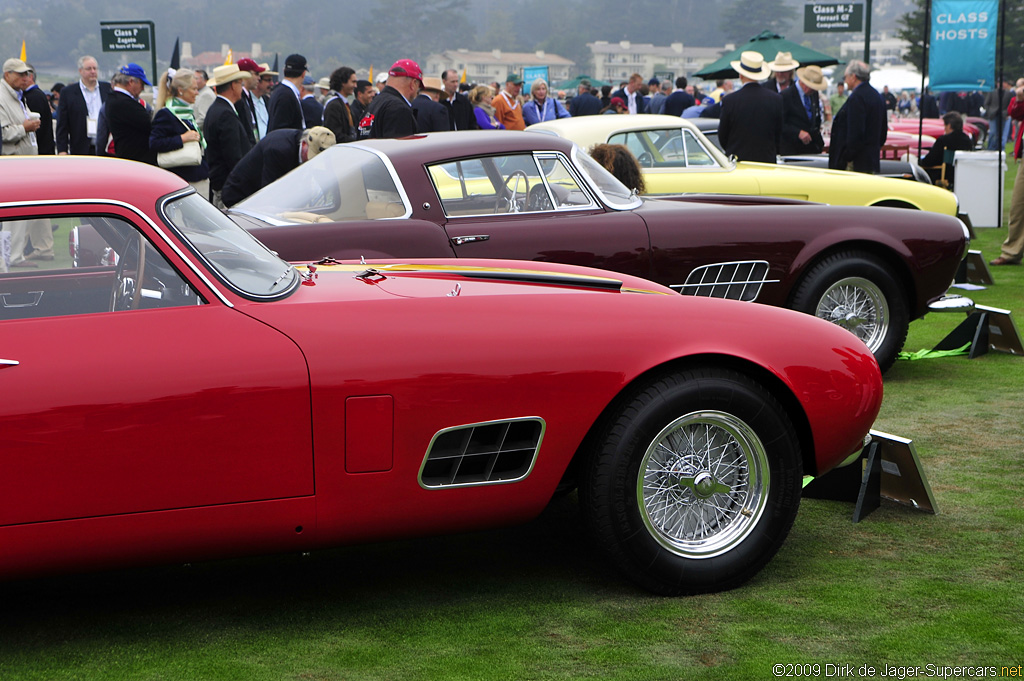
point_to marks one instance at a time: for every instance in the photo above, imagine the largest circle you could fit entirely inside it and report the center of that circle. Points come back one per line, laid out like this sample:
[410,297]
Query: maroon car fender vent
[482,453]
[738,280]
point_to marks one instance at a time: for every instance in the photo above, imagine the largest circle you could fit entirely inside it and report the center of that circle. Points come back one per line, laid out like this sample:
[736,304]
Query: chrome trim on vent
[486,453]
[737,280]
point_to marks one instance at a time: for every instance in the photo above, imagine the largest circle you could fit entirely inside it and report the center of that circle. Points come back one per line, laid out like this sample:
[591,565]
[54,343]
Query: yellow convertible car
[678,159]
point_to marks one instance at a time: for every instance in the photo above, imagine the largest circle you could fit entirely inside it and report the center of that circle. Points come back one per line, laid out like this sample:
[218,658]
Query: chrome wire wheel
[703,484]
[859,306]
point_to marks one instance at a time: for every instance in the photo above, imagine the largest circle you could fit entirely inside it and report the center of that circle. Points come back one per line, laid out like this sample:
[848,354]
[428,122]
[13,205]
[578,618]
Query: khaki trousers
[1013,247]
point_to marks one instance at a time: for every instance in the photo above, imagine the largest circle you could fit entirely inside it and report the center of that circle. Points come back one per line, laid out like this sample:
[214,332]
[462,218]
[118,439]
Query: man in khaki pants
[1013,247]
[19,127]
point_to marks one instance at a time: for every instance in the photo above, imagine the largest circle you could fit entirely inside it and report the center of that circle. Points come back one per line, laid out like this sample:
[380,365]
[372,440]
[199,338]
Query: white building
[885,51]
[615,62]
[493,66]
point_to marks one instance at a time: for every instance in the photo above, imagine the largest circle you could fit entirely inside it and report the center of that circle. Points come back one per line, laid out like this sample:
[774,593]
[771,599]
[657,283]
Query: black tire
[855,290]
[707,512]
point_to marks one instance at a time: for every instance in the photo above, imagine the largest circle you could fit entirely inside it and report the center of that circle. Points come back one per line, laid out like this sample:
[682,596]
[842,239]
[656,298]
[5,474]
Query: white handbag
[190,154]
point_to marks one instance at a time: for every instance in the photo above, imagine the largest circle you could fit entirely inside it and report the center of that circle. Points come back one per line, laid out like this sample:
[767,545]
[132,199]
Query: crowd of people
[234,131]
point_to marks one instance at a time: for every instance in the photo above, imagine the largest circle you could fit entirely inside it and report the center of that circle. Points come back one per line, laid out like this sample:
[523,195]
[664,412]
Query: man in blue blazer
[860,128]
[750,127]
[285,109]
[276,155]
[79,110]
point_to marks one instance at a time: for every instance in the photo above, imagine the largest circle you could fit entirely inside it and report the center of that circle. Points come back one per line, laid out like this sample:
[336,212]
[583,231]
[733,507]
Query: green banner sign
[834,17]
[125,38]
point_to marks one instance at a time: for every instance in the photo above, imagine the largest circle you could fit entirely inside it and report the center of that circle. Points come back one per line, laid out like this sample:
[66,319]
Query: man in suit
[338,117]
[431,115]
[860,128]
[285,106]
[782,72]
[312,109]
[632,95]
[245,106]
[750,126]
[276,155]
[460,111]
[584,103]
[36,100]
[79,110]
[225,133]
[127,118]
[801,113]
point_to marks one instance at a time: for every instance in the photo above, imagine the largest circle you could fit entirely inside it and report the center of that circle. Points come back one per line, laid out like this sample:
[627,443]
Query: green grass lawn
[900,588]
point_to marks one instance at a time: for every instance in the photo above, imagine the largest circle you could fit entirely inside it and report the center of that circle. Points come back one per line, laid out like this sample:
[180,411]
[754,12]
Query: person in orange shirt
[507,107]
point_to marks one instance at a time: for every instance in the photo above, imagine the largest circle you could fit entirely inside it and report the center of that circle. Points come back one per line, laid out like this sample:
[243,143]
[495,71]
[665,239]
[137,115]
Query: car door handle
[8,363]
[459,240]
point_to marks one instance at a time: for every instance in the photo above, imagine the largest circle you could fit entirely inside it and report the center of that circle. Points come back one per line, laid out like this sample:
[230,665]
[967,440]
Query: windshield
[614,192]
[345,182]
[235,255]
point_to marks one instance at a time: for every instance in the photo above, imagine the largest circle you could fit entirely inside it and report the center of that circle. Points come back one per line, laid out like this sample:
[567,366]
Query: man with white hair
[79,110]
[127,118]
[860,128]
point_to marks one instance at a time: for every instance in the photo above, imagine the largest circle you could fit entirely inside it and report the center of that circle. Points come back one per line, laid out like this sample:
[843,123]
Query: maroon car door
[515,207]
[122,397]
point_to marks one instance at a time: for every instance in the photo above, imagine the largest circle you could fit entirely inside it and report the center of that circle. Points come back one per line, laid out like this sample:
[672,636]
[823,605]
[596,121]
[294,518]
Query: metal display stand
[987,328]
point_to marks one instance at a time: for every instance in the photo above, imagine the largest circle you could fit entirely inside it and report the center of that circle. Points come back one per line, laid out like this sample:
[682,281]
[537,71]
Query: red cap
[406,67]
[250,66]
[618,101]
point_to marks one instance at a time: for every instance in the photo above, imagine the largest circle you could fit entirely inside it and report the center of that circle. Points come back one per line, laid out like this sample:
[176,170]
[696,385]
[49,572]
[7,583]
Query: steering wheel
[539,199]
[645,159]
[511,206]
[127,290]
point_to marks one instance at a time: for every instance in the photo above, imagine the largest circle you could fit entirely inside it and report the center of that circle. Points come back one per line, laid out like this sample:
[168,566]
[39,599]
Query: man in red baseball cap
[245,106]
[390,114]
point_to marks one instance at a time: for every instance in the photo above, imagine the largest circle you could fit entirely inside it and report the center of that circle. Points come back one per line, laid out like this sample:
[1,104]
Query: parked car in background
[676,158]
[539,197]
[203,398]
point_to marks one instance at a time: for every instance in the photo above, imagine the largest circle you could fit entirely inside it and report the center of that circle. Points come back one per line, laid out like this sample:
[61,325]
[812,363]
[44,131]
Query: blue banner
[962,52]
[532,73]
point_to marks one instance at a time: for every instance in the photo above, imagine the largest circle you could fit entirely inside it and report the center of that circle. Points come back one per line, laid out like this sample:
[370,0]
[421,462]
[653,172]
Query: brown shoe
[1003,260]
[39,255]
[24,263]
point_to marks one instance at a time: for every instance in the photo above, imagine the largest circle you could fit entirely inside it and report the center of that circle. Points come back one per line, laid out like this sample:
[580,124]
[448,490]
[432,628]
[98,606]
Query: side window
[696,154]
[85,264]
[564,190]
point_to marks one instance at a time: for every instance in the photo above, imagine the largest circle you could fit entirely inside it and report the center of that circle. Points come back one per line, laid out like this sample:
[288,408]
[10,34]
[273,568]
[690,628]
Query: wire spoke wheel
[860,307]
[702,484]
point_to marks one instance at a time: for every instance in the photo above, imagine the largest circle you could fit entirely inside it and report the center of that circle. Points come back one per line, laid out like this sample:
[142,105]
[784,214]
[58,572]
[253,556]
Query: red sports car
[194,396]
[532,196]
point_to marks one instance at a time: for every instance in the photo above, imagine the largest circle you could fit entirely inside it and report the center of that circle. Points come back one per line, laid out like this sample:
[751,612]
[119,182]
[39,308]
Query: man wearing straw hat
[782,68]
[227,139]
[801,113]
[751,122]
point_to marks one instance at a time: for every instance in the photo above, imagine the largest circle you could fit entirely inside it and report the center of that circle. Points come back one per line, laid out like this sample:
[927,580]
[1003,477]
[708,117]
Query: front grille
[482,453]
[740,280]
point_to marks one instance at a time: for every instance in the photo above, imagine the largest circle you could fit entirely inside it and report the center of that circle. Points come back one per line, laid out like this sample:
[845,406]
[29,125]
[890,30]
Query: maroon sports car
[528,196]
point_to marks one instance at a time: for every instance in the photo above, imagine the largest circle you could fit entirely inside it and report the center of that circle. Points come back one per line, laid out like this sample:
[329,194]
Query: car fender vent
[738,280]
[488,453]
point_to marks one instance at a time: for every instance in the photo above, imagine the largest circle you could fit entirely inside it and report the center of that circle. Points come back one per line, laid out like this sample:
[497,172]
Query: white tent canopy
[898,79]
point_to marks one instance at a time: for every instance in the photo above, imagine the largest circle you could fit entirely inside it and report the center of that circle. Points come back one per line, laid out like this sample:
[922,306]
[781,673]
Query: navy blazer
[312,111]
[72,132]
[750,126]
[273,157]
[641,103]
[130,125]
[336,119]
[794,119]
[460,112]
[284,109]
[431,116]
[858,131]
[226,141]
[165,135]
[36,100]
[584,104]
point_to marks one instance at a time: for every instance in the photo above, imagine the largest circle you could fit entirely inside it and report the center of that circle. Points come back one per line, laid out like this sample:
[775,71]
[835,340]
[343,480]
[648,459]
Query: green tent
[574,83]
[768,44]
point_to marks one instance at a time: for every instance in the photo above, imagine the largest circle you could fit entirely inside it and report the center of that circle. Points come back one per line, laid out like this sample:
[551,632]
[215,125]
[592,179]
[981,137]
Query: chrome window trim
[156,228]
[443,431]
[243,293]
[635,203]
[583,184]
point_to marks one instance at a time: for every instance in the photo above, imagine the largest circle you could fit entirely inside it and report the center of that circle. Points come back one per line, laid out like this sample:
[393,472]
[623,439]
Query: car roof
[76,178]
[459,144]
[607,125]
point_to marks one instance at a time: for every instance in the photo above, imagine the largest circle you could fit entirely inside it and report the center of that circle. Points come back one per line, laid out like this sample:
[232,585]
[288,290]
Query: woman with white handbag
[175,137]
